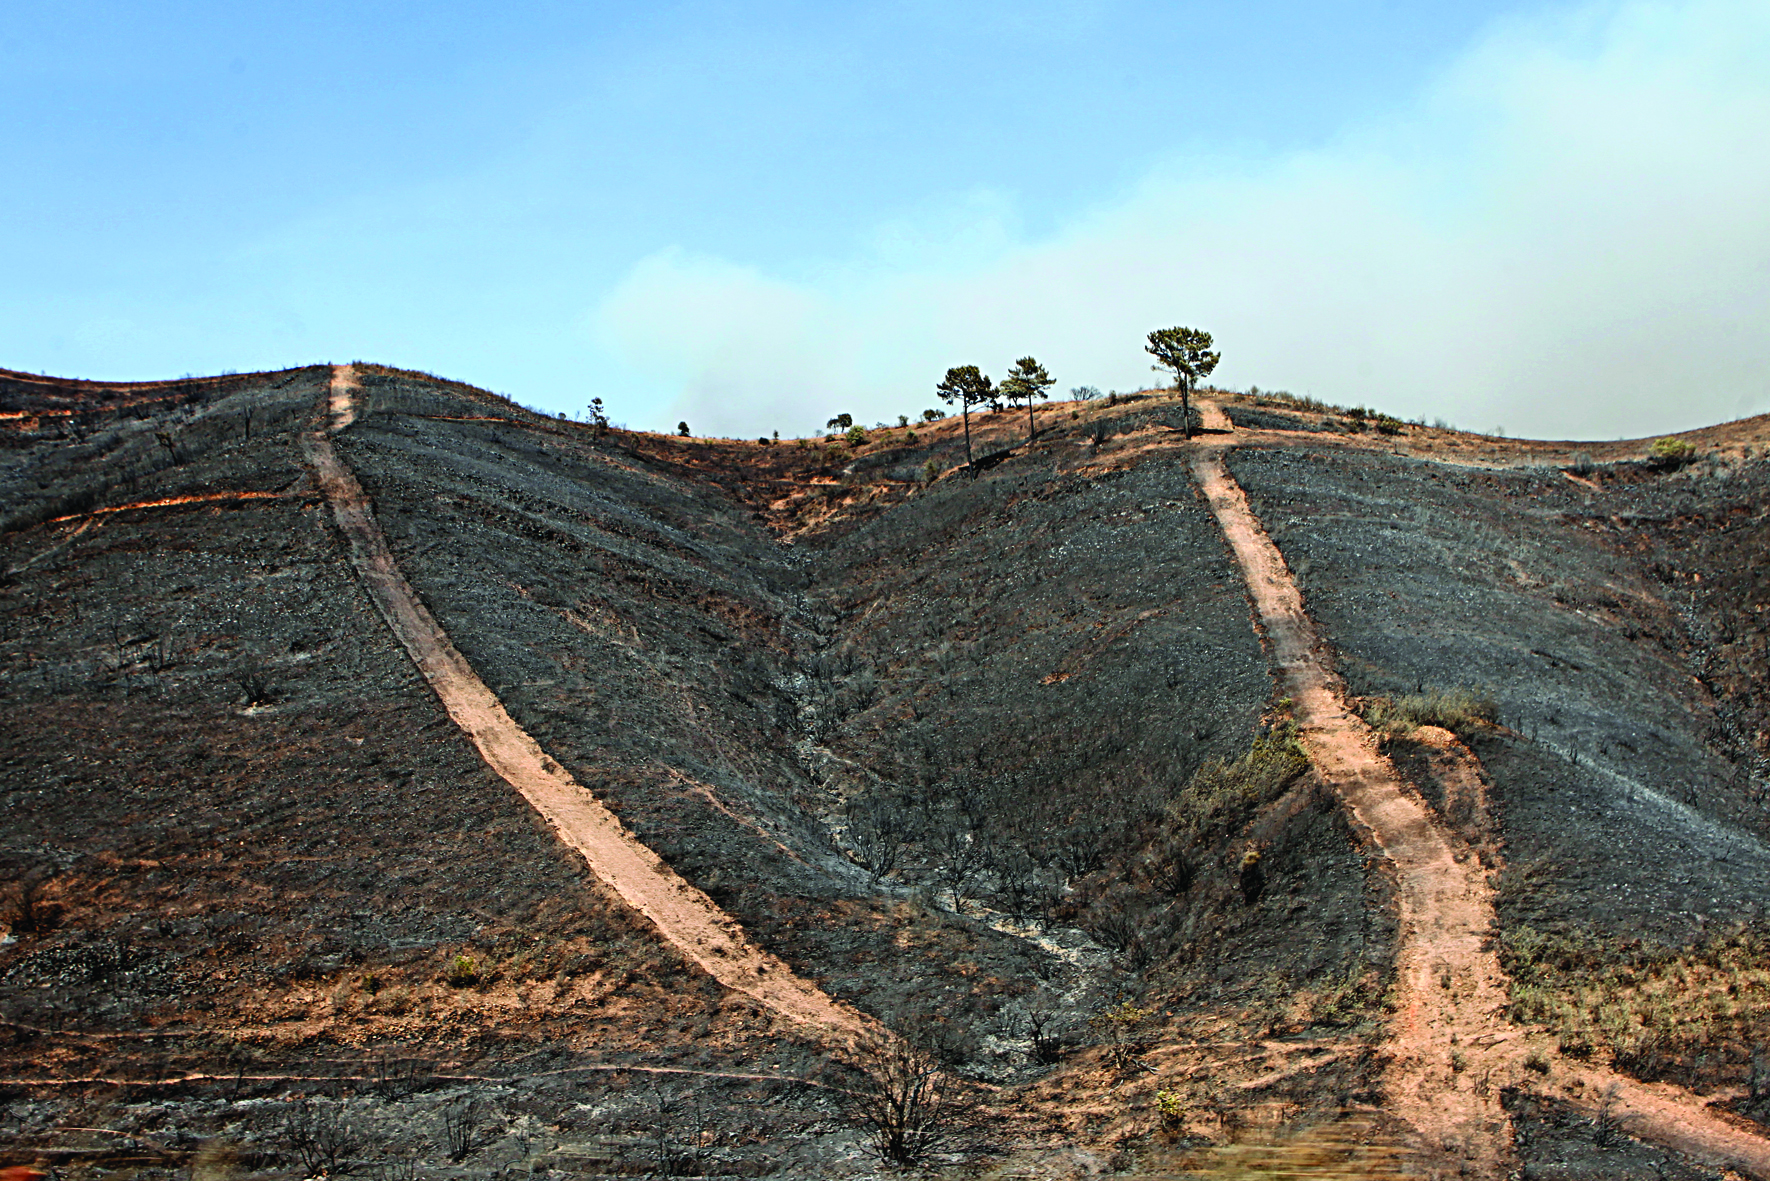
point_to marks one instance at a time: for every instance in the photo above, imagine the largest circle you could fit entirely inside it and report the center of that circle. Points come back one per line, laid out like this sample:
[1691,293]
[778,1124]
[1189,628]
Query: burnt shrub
[1120,1028]
[1042,1019]
[321,1137]
[462,1121]
[29,912]
[905,1096]
[878,827]
[1117,919]
[1169,867]
[1080,849]
[1018,888]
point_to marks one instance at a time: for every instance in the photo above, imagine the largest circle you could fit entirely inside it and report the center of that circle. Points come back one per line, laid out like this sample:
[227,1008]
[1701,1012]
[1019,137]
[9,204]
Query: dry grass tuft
[1224,794]
[1457,710]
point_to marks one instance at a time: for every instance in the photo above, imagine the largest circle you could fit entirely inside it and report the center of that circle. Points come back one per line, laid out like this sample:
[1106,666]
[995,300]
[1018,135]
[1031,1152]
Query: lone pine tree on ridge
[1187,353]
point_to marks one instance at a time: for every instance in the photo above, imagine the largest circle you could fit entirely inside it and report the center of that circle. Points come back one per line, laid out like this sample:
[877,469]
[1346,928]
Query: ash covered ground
[928,737]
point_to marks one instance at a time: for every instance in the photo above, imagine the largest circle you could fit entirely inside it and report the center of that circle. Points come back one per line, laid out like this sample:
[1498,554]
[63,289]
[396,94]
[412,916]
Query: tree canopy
[1028,380]
[967,385]
[1186,352]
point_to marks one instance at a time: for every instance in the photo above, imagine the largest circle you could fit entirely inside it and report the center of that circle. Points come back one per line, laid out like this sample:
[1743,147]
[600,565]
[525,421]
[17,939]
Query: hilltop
[980,757]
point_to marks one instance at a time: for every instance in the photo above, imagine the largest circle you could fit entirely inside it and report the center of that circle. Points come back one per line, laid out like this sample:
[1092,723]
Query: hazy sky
[1554,219]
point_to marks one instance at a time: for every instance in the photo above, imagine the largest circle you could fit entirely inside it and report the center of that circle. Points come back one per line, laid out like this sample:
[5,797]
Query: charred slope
[1040,659]
[71,447]
[1055,649]
[645,629]
[1031,690]
[1627,799]
[242,805]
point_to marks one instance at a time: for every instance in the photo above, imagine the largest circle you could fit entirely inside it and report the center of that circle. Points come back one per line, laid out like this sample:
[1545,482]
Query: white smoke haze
[1565,236]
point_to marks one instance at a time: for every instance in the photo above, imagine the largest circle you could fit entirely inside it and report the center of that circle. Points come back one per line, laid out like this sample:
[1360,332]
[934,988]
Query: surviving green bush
[1346,997]
[1672,452]
[1170,1108]
[462,971]
[1457,710]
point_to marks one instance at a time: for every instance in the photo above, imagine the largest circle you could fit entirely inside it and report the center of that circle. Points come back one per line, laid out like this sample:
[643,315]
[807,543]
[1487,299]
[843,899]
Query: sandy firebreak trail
[682,914]
[1450,1047]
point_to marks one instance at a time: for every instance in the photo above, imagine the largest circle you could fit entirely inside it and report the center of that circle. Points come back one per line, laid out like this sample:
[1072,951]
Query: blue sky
[752,215]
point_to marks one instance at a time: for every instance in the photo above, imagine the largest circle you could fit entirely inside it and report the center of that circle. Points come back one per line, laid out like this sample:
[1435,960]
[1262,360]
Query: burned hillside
[986,756]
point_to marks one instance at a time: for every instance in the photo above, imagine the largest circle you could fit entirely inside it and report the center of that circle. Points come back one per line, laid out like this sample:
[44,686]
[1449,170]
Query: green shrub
[1672,452]
[1170,1107]
[1689,1014]
[462,971]
[1344,998]
[856,435]
[1575,1042]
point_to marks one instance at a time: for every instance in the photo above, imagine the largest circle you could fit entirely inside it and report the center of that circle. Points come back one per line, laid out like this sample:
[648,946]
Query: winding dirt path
[682,914]
[1450,1047]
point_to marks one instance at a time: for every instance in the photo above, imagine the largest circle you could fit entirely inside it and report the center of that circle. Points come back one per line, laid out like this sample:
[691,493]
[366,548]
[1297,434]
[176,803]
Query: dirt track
[1451,1049]
[682,914]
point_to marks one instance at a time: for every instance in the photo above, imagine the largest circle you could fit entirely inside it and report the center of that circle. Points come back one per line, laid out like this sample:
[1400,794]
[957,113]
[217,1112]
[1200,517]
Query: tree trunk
[965,409]
[1032,427]
[1186,406]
